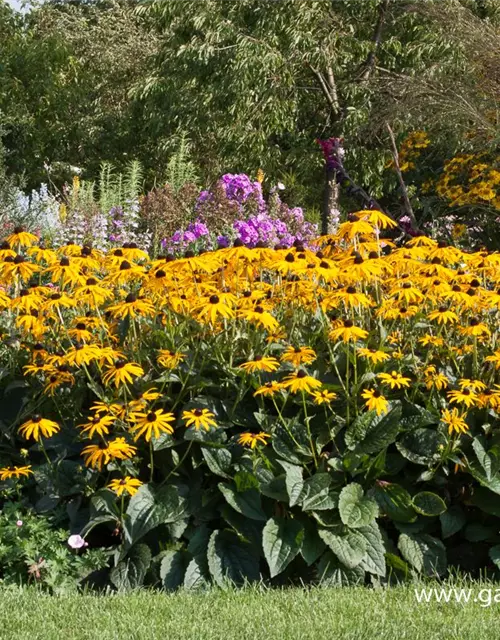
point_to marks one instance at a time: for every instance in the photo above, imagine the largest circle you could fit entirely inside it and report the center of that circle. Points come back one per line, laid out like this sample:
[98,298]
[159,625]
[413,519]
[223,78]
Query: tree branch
[404,190]
[329,90]
[369,64]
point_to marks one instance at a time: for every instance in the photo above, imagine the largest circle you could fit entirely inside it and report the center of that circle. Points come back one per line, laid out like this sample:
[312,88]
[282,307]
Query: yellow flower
[455,421]
[323,396]
[98,454]
[15,472]
[37,427]
[125,485]
[260,176]
[253,439]
[260,363]
[373,355]
[199,418]
[465,396]
[97,424]
[298,355]
[300,381]
[21,238]
[433,379]
[394,379]
[375,401]
[122,372]
[443,315]
[169,359]
[347,331]
[151,423]
[214,307]
[269,389]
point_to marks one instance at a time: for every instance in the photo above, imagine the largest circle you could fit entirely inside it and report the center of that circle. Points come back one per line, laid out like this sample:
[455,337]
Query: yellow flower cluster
[468,180]
[126,328]
[411,149]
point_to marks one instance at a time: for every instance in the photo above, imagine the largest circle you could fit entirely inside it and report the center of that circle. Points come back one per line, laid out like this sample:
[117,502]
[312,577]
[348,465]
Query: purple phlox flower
[77,542]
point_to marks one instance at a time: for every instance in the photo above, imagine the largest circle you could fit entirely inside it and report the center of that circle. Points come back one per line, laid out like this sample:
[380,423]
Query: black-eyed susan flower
[298,355]
[463,396]
[433,379]
[269,389]
[259,316]
[132,307]
[6,473]
[253,439]
[443,315]
[97,455]
[347,331]
[199,418]
[81,354]
[375,401]
[323,397]
[151,423]
[169,359]
[97,423]
[260,363]
[125,485]
[454,421]
[21,238]
[394,380]
[300,381]
[213,307]
[474,385]
[36,427]
[375,356]
[122,372]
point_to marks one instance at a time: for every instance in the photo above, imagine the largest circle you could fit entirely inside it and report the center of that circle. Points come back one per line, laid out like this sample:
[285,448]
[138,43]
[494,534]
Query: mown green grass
[350,613]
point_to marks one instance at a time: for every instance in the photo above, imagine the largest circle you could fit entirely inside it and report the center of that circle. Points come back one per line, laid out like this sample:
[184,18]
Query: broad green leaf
[291,444]
[423,552]
[374,559]
[218,461]
[421,446]
[275,489]
[312,546]
[487,501]
[281,540]
[355,509]
[494,554]
[317,493]
[478,532]
[371,433]
[196,576]
[332,573]
[247,502]
[428,504]
[452,521]
[172,569]
[230,560]
[349,547]
[129,573]
[394,501]
[294,481]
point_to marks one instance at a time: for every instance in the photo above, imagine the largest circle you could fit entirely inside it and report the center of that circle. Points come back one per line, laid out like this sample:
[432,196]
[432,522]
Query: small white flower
[76,542]
[280,186]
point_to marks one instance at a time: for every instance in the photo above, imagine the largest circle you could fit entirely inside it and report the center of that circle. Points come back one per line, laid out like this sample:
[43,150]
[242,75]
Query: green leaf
[374,559]
[196,576]
[487,501]
[494,554]
[394,501]
[371,433]
[247,502]
[312,545]
[452,521]
[292,444]
[218,461]
[130,572]
[488,463]
[414,417]
[318,496]
[355,509]
[281,540]
[332,573]
[484,477]
[173,569]
[477,532]
[349,548]
[231,560]
[428,504]
[275,489]
[421,446]
[294,481]
[423,552]
[147,509]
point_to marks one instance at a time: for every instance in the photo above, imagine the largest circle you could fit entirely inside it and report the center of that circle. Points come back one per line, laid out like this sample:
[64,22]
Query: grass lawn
[349,613]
